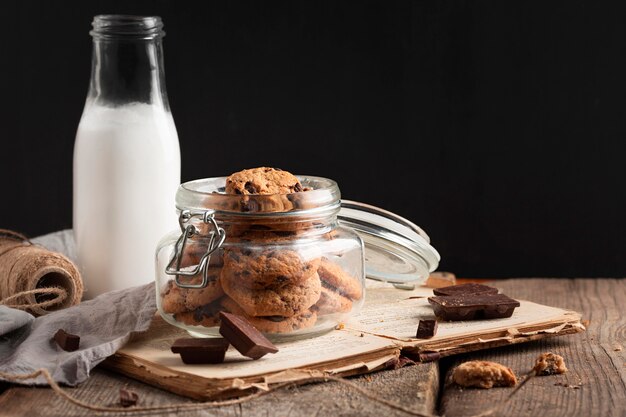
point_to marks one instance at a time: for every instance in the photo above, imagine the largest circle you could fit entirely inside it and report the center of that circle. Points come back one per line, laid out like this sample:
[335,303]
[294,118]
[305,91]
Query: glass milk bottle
[126,156]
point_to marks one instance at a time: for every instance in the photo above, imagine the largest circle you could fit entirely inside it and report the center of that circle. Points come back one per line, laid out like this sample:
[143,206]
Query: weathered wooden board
[413,386]
[595,384]
[594,359]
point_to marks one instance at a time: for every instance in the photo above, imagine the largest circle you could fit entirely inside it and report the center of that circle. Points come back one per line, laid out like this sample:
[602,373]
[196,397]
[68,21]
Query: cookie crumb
[440,279]
[617,348]
[483,374]
[340,326]
[549,364]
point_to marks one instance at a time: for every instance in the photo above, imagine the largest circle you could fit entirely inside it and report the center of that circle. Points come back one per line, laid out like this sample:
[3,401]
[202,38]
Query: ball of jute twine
[35,279]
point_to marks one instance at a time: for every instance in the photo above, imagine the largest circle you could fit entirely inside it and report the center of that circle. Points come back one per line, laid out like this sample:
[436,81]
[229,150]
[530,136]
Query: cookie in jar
[264,244]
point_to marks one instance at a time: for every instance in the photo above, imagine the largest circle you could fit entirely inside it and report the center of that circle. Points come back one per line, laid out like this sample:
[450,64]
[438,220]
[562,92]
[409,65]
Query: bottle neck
[127,61]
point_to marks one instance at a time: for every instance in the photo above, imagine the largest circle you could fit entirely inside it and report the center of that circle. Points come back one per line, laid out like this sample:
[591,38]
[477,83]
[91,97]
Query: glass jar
[284,262]
[126,156]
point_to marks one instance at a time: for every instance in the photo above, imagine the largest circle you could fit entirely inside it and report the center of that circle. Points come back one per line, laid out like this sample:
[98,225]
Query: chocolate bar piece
[470,288]
[426,329]
[206,350]
[67,341]
[128,398]
[473,306]
[244,336]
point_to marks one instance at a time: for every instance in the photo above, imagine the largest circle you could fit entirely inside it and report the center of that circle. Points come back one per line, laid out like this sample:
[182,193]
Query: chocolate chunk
[66,341]
[206,310]
[250,188]
[426,329]
[206,350]
[128,398]
[465,289]
[244,336]
[473,306]
[297,187]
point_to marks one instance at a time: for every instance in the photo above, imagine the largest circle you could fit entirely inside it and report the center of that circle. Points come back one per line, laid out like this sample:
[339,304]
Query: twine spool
[35,279]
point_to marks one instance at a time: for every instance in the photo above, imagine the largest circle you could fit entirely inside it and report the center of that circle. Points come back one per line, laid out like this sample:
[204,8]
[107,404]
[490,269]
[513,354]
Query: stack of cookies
[265,272]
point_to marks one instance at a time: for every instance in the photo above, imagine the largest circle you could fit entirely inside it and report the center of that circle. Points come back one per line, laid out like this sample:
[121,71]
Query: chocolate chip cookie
[196,297]
[286,300]
[263,180]
[173,298]
[333,276]
[178,300]
[274,324]
[266,268]
[483,374]
[206,315]
[331,302]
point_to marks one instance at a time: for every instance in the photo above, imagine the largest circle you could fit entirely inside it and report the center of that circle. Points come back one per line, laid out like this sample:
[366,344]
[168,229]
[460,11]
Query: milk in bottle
[126,157]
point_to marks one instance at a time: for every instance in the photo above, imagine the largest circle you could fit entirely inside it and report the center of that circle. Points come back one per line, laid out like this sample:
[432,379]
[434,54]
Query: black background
[496,126]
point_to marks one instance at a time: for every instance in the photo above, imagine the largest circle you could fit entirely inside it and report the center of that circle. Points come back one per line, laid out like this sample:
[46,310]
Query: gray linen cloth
[104,325]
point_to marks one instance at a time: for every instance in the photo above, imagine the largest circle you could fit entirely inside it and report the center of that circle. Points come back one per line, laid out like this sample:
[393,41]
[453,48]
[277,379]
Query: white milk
[126,172]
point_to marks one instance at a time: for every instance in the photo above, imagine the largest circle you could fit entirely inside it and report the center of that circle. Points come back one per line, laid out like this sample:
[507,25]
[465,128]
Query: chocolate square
[197,351]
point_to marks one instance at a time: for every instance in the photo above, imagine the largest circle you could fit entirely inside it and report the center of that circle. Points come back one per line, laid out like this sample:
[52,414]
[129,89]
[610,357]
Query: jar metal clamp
[187,232]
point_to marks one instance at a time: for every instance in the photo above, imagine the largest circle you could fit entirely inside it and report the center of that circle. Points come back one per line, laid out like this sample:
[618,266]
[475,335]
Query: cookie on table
[332,302]
[483,374]
[263,180]
[274,324]
[266,268]
[286,300]
[334,277]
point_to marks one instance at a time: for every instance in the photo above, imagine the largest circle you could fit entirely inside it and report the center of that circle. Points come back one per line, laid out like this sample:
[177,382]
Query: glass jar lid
[396,250]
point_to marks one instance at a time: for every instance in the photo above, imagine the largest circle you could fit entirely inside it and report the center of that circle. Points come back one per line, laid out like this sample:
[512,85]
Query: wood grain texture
[594,360]
[595,384]
[413,386]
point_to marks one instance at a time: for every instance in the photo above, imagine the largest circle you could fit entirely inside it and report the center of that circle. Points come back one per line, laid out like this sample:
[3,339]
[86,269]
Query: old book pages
[385,327]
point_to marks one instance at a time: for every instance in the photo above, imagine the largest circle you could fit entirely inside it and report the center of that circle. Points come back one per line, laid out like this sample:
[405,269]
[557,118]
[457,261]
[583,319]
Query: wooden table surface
[595,384]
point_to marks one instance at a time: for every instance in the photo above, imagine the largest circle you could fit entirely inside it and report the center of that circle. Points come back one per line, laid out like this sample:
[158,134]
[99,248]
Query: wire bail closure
[187,232]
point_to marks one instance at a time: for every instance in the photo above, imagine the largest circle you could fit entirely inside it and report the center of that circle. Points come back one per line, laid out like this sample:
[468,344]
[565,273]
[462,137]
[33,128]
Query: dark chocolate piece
[67,341]
[426,329]
[206,350]
[244,336]
[470,288]
[128,398]
[473,306]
